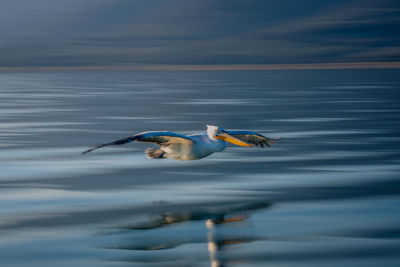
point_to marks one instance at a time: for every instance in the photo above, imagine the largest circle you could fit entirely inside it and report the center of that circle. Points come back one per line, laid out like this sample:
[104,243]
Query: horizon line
[213,67]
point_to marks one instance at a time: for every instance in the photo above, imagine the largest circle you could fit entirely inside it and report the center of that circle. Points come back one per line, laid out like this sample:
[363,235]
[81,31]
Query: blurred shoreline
[214,67]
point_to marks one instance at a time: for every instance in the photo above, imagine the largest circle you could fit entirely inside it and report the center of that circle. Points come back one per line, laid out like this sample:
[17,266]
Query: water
[327,194]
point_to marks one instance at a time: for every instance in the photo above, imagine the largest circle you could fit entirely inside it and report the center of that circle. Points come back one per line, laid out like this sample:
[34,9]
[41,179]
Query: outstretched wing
[253,138]
[160,138]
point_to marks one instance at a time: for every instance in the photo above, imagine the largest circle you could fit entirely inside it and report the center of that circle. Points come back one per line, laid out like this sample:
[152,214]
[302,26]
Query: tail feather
[153,153]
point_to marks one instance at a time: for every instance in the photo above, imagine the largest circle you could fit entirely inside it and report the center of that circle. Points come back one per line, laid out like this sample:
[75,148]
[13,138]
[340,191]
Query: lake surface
[327,194]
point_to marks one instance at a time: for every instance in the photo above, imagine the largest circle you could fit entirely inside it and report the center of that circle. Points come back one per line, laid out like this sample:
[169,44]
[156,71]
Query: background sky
[102,33]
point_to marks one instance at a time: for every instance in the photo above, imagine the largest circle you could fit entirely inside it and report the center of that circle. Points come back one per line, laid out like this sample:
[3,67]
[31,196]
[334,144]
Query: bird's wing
[253,138]
[160,138]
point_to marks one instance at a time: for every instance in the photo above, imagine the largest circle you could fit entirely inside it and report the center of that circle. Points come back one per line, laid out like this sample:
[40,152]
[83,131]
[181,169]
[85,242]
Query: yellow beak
[231,139]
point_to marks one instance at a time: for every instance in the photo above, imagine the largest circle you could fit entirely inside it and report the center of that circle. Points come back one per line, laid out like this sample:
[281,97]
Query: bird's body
[201,147]
[192,147]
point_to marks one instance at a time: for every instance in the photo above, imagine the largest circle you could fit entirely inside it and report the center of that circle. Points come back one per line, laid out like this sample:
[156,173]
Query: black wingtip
[85,152]
[271,141]
[90,150]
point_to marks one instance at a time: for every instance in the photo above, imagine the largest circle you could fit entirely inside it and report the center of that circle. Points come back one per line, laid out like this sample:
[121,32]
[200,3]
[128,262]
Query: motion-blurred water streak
[328,193]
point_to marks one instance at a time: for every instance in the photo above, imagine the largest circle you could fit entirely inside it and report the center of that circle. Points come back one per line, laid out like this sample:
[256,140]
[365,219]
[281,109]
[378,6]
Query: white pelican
[191,147]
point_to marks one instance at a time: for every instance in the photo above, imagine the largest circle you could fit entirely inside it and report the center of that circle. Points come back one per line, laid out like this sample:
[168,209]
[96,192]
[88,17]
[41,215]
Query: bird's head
[215,132]
[212,131]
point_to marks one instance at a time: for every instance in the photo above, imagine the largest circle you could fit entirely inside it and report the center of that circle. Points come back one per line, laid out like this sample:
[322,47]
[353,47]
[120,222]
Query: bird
[192,147]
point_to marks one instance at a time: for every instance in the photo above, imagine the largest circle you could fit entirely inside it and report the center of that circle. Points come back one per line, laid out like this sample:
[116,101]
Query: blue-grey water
[327,194]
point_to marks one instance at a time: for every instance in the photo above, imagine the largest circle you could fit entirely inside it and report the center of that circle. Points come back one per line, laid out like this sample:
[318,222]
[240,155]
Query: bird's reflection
[217,234]
[214,245]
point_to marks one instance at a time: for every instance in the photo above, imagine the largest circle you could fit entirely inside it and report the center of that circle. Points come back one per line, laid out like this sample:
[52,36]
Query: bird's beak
[231,139]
